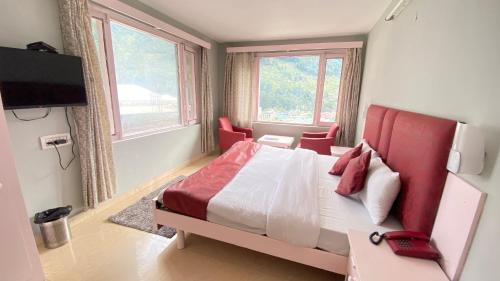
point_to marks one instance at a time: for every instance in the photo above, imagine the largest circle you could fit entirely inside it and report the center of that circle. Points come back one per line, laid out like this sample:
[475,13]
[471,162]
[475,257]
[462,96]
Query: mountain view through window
[147,79]
[288,89]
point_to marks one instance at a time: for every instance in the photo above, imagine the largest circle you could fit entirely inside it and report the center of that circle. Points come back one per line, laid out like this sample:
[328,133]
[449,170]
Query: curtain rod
[150,20]
[296,47]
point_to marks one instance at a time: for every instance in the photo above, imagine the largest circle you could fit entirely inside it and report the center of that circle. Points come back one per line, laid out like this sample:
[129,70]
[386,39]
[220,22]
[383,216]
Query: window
[147,84]
[150,77]
[98,33]
[299,89]
[331,89]
[288,89]
[190,87]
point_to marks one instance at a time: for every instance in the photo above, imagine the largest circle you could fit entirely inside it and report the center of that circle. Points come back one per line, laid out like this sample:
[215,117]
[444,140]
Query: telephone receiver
[407,243]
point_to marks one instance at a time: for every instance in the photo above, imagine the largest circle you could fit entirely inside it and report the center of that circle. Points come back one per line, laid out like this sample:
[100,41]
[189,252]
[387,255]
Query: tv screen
[31,79]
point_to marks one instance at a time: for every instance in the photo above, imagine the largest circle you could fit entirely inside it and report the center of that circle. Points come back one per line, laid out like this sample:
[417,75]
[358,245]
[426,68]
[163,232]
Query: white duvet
[275,193]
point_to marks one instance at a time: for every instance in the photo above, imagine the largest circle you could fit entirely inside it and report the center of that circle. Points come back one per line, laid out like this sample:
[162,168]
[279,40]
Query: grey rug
[140,214]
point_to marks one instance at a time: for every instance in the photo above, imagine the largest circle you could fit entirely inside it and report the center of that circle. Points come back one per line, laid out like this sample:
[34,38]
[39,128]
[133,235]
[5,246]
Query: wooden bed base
[260,243]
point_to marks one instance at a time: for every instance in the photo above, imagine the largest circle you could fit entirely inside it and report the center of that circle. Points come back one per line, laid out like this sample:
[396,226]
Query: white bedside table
[368,262]
[276,141]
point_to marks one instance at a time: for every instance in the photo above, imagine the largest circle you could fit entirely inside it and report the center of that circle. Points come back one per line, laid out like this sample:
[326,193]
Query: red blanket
[190,196]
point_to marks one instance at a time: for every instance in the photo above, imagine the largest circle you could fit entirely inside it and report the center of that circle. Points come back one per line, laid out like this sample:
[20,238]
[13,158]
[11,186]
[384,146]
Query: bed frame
[260,243]
[403,138]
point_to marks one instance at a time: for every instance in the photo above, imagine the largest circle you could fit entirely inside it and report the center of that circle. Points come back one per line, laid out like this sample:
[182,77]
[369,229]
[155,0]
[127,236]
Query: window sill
[151,133]
[290,124]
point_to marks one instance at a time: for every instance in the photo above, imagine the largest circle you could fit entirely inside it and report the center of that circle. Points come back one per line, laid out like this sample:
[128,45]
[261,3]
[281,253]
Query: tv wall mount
[41,47]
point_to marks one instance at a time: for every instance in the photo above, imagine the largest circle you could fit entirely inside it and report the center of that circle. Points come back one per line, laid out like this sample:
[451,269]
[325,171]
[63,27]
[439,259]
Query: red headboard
[417,146]
[386,132]
[373,124]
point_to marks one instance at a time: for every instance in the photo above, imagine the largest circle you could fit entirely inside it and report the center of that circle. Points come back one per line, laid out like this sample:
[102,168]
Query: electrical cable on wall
[59,155]
[70,137]
[32,119]
[56,143]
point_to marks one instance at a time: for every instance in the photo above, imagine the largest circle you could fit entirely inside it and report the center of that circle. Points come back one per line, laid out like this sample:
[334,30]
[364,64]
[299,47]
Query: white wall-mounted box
[45,140]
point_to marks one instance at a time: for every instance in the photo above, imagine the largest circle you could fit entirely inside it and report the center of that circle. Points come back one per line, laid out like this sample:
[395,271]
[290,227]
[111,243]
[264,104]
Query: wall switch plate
[47,139]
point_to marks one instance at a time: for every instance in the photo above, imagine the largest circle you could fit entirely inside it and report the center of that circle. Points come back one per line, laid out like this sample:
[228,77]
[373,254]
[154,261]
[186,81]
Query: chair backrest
[332,133]
[225,124]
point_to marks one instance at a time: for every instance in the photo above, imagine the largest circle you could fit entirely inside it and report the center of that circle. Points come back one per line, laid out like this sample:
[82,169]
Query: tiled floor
[105,251]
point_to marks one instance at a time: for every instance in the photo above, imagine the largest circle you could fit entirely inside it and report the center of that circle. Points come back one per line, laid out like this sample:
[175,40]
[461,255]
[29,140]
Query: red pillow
[353,179]
[339,166]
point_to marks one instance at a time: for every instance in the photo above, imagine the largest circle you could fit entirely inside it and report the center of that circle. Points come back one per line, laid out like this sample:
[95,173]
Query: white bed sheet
[338,214]
[295,206]
[227,207]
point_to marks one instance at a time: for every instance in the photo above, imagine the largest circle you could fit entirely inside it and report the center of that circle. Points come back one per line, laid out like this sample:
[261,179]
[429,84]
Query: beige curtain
[207,112]
[92,124]
[347,112]
[237,98]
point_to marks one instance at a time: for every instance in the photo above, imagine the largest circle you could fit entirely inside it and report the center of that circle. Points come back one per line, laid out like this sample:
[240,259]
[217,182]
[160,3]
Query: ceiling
[259,20]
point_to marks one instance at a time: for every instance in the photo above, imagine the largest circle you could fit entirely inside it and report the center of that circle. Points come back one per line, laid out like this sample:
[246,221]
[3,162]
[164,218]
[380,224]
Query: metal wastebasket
[54,226]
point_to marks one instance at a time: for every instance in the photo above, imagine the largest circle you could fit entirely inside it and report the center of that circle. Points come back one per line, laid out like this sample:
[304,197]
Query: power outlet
[45,140]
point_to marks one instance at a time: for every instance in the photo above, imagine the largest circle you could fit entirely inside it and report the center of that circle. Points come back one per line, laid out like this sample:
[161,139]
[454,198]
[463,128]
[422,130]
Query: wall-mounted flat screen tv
[32,79]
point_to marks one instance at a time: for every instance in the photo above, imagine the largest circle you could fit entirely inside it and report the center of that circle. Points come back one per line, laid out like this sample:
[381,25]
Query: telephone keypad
[404,243]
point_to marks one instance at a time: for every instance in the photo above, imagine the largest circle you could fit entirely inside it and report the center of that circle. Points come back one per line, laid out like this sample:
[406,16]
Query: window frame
[196,65]
[105,76]
[106,16]
[320,83]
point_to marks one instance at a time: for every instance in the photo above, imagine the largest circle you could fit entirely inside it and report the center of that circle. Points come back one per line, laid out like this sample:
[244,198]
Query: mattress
[338,214]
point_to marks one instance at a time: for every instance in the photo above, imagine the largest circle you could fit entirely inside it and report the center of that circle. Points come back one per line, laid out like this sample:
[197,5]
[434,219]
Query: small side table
[338,151]
[368,262]
[276,141]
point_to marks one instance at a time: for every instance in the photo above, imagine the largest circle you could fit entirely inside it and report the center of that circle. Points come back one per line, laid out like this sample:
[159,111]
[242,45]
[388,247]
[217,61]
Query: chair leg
[180,239]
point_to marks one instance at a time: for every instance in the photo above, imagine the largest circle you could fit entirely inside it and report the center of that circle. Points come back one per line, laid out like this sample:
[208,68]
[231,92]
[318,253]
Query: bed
[241,205]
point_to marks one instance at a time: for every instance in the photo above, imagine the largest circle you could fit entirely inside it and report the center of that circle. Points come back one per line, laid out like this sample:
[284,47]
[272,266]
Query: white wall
[443,58]
[139,160]
[43,183]
[19,255]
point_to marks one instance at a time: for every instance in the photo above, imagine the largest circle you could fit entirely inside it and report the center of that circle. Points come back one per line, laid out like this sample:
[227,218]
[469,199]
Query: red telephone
[408,243]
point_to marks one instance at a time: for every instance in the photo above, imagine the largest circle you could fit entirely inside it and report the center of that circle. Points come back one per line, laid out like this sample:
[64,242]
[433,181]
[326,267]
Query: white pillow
[367,147]
[381,189]
[374,164]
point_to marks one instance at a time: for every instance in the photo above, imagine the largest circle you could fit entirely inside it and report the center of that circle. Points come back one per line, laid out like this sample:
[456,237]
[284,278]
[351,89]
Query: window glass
[333,73]
[288,89]
[147,80]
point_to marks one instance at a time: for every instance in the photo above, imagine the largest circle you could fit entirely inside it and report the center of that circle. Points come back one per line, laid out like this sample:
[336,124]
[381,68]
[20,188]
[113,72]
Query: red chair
[229,134]
[320,142]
